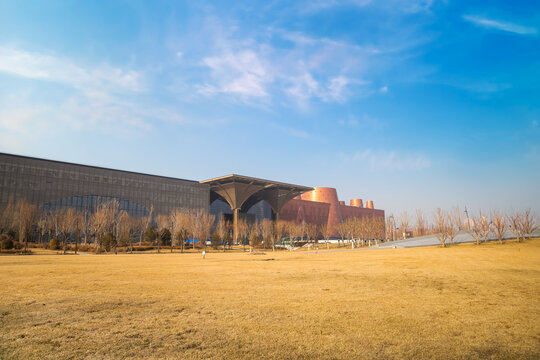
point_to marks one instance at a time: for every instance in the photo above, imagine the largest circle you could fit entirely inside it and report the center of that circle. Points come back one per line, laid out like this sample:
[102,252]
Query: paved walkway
[431,240]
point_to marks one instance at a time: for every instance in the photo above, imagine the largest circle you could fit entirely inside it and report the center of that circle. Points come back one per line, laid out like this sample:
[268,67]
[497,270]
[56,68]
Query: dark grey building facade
[55,184]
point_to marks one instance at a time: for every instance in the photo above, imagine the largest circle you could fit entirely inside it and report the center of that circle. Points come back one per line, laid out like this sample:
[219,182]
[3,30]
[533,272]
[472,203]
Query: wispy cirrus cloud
[100,98]
[242,73]
[500,25]
[408,6]
[388,160]
[47,67]
[313,69]
[253,74]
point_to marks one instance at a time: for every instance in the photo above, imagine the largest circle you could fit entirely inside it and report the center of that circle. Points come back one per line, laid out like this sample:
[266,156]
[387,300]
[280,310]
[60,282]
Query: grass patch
[466,301]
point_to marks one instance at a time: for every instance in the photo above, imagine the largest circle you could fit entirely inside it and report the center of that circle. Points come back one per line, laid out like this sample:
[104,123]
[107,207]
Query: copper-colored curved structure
[326,195]
[357,202]
[321,206]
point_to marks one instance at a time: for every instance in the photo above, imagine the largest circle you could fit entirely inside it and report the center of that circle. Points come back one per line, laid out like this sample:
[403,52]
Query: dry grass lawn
[464,302]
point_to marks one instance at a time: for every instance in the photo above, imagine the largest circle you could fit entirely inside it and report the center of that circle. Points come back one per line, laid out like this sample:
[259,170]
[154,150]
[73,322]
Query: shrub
[87,248]
[13,234]
[54,244]
[124,241]
[215,240]
[254,239]
[6,243]
[151,234]
[108,241]
[165,235]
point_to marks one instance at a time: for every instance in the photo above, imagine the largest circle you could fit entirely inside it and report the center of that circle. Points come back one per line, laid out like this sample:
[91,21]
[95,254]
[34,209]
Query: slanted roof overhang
[242,192]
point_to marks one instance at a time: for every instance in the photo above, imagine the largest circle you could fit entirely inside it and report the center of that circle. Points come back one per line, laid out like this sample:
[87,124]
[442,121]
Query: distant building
[321,206]
[55,184]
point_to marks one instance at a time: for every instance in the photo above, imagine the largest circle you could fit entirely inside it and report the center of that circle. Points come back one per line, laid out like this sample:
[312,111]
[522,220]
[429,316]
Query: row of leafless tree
[362,231]
[108,223]
[70,225]
[446,225]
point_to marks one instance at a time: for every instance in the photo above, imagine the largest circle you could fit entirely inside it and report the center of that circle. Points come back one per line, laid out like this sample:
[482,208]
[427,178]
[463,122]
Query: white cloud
[407,6]
[304,87]
[500,25]
[389,160]
[102,98]
[337,88]
[47,67]
[384,89]
[242,73]
[365,122]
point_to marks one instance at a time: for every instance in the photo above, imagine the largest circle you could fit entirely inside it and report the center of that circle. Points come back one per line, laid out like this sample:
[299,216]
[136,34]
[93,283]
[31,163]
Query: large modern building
[54,184]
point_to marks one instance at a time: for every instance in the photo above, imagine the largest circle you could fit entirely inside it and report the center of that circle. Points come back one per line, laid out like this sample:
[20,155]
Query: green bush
[215,240]
[151,234]
[6,243]
[54,244]
[165,236]
[108,241]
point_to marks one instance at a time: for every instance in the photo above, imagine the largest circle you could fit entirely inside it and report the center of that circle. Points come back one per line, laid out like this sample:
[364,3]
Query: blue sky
[411,104]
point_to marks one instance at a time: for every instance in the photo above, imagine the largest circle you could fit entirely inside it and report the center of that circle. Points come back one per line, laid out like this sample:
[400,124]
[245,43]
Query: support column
[235,225]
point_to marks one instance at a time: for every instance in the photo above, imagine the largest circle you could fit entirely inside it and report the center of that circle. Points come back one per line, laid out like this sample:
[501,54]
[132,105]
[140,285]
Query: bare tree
[404,223]
[380,227]
[78,227]
[500,225]
[7,219]
[146,222]
[441,224]
[357,231]
[279,231]
[312,232]
[349,226]
[124,228]
[369,228]
[66,224]
[243,231]
[342,229]
[113,210]
[202,225]
[86,218]
[266,228]
[43,225]
[457,219]
[254,232]
[222,231]
[485,227]
[389,228]
[181,221]
[327,232]
[454,224]
[475,229]
[529,223]
[23,219]
[163,223]
[514,220]
[99,224]
[420,223]
[294,231]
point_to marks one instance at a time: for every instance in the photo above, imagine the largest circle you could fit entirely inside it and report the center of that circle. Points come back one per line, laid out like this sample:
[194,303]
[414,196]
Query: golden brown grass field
[466,301]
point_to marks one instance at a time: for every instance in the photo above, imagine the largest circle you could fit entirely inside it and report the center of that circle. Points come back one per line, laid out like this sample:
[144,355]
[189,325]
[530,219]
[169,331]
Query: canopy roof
[242,192]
